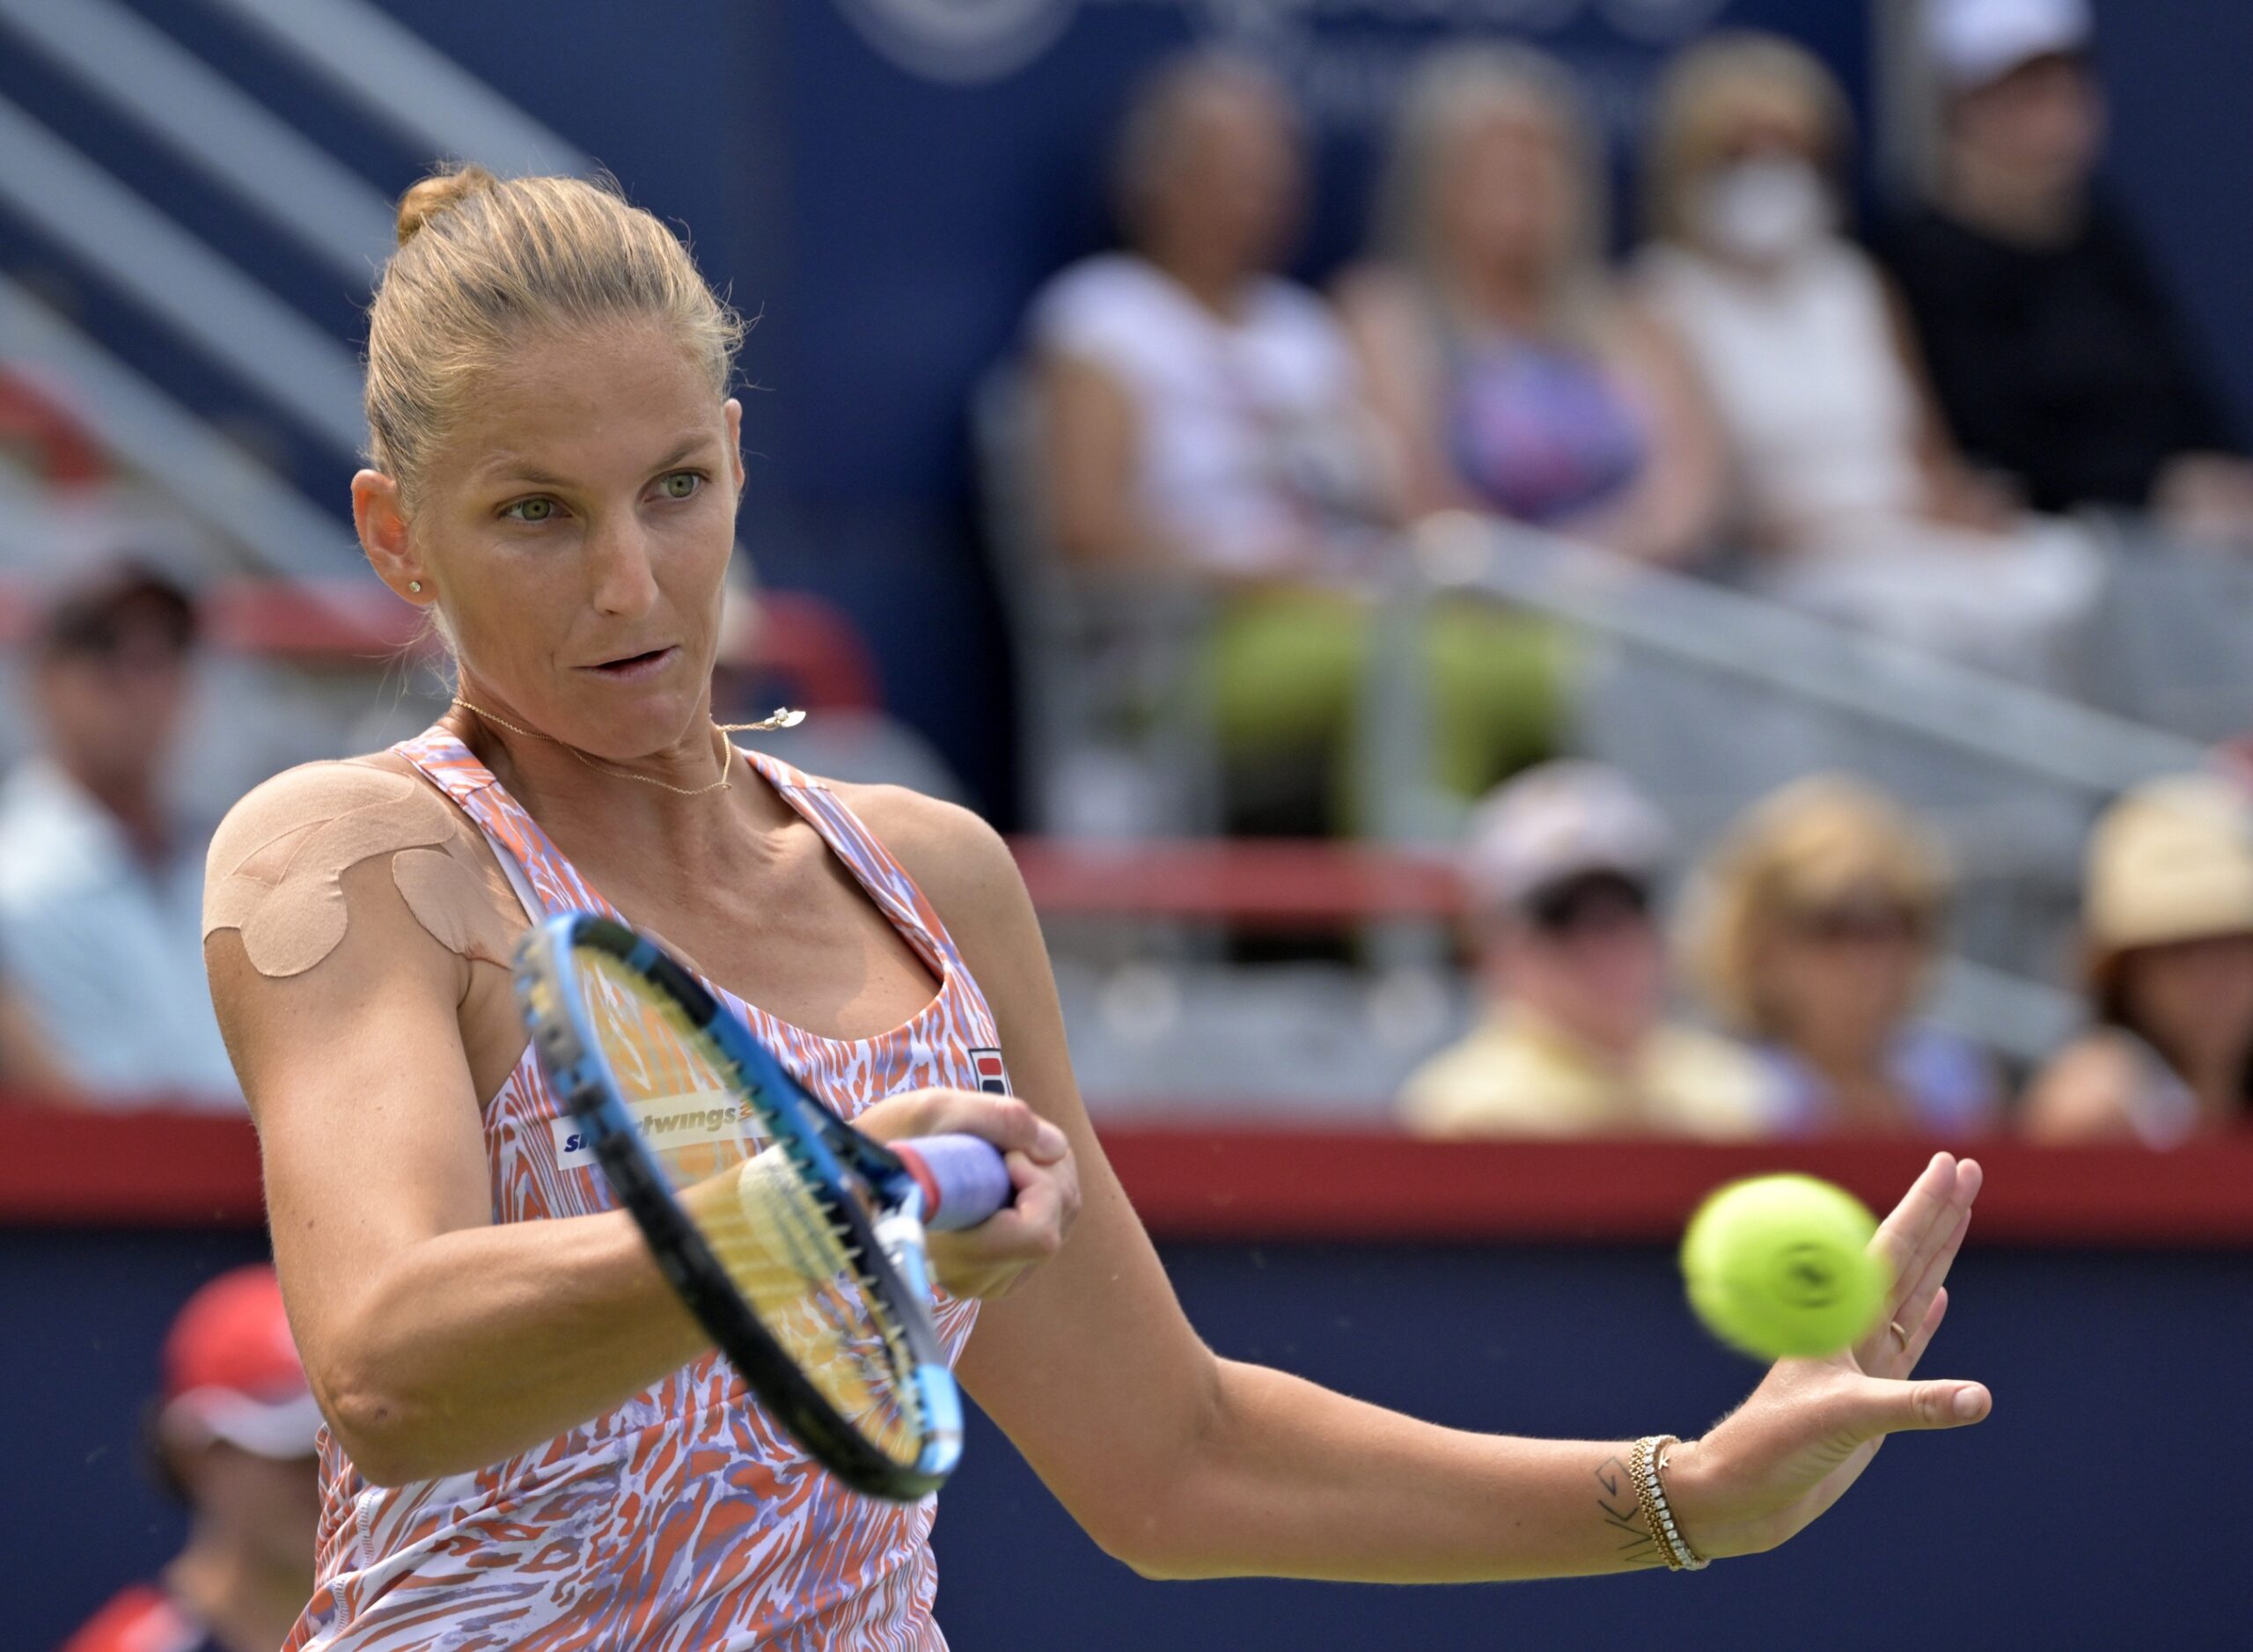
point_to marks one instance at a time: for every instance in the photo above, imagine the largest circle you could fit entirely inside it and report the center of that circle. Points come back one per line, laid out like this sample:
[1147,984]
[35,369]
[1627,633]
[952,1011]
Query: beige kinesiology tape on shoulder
[277,878]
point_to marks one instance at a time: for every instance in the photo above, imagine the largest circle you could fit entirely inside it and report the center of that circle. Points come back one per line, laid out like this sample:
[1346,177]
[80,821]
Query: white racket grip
[964,1178]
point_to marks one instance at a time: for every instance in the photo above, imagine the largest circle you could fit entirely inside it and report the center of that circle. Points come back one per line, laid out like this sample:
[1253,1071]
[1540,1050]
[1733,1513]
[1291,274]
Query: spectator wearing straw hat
[2168,925]
[1561,864]
[1812,934]
[232,1435]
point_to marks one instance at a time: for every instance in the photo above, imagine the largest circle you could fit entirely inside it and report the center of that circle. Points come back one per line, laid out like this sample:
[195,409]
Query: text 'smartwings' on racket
[796,1241]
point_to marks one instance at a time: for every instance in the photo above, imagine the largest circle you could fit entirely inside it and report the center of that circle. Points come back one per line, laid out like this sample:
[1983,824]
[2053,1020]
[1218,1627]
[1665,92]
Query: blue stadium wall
[2094,1510]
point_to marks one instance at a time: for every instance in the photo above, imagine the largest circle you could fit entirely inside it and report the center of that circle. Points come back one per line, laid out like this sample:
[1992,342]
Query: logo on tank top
[992,1077]
[693,1119]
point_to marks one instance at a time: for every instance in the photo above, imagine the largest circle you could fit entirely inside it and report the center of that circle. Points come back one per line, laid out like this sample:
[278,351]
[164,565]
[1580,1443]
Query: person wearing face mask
[2168,925]
[2058,354]
[1848,494]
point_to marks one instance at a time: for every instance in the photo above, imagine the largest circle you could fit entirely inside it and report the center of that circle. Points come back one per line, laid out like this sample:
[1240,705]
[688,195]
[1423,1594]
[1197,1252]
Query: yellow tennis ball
[1780,1267]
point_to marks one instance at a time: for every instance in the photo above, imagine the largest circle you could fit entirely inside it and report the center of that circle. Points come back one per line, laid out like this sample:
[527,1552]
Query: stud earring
[415,585]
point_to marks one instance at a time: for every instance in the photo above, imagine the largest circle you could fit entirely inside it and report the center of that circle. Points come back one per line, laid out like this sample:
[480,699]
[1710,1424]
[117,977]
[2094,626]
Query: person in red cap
[232,1436]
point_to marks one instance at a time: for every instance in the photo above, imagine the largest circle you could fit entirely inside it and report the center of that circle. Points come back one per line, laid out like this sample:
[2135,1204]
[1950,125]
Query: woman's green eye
[681,484]
[529,510]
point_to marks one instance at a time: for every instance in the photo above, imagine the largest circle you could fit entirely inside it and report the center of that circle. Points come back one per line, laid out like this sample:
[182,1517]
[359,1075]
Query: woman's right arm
[1382,320]
[436,1340]
[1087,455]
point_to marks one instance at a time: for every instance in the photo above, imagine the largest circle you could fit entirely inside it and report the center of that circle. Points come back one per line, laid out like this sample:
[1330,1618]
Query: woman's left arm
[1672,512]
[1183,1464]
[1954,493]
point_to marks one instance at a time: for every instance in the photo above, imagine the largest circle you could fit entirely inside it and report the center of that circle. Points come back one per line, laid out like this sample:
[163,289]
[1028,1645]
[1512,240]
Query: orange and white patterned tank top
[686,1519]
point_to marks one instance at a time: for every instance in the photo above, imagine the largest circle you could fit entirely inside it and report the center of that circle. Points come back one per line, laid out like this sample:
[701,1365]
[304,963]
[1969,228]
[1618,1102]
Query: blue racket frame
[892,1272]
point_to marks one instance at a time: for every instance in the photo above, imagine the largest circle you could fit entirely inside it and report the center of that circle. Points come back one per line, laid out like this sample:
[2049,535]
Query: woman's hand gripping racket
[796,1241]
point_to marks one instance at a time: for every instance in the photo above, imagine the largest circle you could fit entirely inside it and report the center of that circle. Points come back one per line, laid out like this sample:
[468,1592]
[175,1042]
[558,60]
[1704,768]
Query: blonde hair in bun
[483,260]
[427,197]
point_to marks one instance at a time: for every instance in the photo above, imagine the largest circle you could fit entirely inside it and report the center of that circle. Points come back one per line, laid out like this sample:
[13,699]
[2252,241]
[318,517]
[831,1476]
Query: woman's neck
[1853,1066]
[1503,294]
[670,802]
[1218,286]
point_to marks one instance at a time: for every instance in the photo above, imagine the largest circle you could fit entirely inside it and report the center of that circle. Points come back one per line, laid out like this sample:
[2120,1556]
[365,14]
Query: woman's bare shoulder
[954,854]
[1376,294]
[313,794]
[274,874]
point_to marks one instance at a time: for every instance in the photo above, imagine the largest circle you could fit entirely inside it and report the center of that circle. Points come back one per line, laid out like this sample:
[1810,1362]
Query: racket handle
[964,1178]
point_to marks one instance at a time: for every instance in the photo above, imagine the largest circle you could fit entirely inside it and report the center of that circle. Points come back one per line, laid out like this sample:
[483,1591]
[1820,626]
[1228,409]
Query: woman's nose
[621,581]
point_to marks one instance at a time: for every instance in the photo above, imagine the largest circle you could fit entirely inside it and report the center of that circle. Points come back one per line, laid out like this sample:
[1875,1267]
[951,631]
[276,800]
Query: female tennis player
[530,1442]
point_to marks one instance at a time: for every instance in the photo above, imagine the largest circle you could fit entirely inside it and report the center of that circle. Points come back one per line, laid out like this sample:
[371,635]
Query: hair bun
[437,192]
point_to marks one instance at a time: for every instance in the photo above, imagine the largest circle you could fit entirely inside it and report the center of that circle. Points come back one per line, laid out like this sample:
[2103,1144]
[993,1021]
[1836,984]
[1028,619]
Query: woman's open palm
[1809,1430]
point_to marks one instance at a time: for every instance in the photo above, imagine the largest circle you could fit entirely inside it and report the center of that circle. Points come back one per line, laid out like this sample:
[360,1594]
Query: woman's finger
[1921,1338]
[1031,1227]
[1898,1408]
[1906,1228]
[1004,1120]
[1945,1238]
[1919,1295]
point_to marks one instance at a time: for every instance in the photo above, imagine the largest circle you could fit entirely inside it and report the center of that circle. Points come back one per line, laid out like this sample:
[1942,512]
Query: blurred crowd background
[1516,568]
[1666,568]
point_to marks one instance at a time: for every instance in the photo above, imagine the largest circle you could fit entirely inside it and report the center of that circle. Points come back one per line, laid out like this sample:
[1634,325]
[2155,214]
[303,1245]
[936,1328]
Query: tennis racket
[798,1242]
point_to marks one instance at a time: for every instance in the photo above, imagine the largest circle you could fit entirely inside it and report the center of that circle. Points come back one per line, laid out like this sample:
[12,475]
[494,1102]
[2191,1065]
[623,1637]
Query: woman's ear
[381,520]
[733,411]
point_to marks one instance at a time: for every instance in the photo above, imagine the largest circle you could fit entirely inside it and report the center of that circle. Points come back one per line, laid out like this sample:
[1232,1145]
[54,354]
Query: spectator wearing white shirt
[1204,426]
[101,887]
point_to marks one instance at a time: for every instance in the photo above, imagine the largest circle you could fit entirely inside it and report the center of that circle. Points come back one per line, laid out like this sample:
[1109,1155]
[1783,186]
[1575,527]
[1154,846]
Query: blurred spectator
[2167,922]
[2060,359]
[232,1436]
[1818,920]
[1560,864]
[101,888]
[1847,491]
[1203,413]
[1509,375]
[1205,424]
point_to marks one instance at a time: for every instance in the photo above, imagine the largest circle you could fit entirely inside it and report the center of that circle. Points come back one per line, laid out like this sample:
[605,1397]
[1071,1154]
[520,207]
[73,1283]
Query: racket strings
[763,1207]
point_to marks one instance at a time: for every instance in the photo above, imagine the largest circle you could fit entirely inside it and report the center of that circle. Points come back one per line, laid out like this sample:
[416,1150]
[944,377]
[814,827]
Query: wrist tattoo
[1635,1545]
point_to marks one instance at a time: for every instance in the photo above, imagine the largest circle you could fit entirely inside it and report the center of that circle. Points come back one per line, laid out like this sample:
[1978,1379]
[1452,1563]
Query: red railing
[1231,1183]
[356,622]
[1279,884]
[67,454]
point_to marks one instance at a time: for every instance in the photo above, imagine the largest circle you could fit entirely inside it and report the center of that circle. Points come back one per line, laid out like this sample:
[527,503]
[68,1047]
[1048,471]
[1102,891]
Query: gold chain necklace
[783,717]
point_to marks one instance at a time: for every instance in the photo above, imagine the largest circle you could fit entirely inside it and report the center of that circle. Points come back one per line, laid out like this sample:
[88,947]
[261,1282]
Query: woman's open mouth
[633,667]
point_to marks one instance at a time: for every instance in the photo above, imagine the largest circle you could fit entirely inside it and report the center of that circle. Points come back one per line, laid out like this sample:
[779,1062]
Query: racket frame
[889,1261]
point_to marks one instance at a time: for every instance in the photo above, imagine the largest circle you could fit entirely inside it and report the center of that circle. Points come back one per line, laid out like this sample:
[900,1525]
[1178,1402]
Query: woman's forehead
[572,404]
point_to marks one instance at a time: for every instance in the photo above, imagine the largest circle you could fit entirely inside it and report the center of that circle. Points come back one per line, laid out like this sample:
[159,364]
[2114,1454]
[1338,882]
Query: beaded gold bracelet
[1646,1462]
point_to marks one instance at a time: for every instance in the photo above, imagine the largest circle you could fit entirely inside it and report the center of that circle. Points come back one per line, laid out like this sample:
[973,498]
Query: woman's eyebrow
[514,467]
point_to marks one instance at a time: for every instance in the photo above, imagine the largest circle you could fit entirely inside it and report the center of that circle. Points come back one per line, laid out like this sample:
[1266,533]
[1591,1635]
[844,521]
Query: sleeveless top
[1803,369]
[1539,431]
[1250,451]
[686,1518]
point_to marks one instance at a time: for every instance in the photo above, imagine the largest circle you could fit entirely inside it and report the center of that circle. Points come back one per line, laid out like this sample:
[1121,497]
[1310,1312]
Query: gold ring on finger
[1894,1326]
